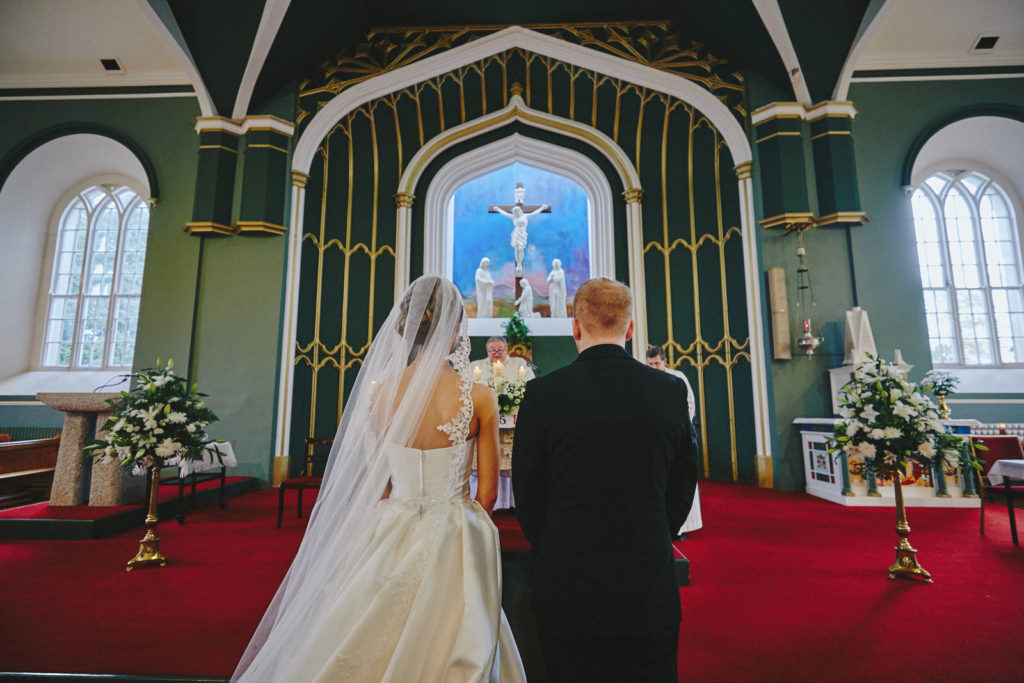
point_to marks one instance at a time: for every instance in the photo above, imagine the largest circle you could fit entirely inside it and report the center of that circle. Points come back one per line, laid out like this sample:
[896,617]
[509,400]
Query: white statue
[524,304]
[519,220]
[859,340]
[556,289]
[484,289]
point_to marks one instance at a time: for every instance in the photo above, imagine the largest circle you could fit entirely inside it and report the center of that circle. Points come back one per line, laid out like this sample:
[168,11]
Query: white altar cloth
[209,461]
[1005,469]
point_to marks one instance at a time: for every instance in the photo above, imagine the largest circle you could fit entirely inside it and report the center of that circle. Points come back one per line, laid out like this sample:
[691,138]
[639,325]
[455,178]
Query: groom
[604,466]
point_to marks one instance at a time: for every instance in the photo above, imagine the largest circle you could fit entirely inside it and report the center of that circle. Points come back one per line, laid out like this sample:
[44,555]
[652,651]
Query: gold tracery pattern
[397,125]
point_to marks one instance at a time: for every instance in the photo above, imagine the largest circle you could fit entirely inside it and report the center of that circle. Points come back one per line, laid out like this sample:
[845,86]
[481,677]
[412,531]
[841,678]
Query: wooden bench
[26,470]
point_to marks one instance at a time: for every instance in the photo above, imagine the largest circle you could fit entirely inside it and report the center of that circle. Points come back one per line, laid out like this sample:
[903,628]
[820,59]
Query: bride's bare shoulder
[484,398]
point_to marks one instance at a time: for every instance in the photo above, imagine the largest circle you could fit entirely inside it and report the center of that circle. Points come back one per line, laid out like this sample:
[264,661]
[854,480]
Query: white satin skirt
[425,604]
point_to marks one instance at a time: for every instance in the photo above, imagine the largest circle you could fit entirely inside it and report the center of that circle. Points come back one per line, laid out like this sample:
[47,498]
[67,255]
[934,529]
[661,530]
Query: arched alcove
[30,204]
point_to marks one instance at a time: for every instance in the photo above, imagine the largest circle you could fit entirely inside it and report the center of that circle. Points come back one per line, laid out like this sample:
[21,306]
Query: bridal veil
[424,331]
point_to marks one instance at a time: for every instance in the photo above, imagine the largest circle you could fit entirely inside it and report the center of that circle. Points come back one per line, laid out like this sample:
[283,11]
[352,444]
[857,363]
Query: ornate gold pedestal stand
[149,549]
[906,557]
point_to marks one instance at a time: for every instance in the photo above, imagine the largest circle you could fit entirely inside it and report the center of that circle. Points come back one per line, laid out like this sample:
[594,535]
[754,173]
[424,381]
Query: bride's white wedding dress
[404,587]
[425,604]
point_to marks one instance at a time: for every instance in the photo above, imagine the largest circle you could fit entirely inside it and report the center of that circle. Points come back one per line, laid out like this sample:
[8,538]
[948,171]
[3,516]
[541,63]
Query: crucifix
[519,213]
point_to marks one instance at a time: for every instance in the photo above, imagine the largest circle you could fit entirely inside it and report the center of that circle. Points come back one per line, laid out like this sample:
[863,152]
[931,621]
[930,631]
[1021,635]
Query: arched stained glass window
[97,279]
[968,247]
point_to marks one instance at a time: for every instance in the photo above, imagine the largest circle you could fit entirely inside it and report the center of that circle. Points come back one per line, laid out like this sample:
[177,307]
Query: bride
[398,577]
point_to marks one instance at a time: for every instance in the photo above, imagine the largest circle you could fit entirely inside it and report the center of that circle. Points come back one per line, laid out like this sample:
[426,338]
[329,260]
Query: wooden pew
[26,470]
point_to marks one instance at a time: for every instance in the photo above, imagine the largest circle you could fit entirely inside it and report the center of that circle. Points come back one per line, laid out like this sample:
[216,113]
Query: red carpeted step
[784,587]
[510,535]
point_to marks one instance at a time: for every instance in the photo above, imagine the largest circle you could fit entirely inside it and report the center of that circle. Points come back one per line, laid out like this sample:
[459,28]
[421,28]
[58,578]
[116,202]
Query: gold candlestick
[906,557]
[149,548]
[943,408]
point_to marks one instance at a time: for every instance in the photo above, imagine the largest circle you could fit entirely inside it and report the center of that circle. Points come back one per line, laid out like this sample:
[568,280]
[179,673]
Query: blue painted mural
[561,234]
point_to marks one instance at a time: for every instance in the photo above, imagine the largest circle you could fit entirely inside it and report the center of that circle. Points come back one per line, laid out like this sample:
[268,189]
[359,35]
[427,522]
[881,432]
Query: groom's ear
[629,331]
[577,331]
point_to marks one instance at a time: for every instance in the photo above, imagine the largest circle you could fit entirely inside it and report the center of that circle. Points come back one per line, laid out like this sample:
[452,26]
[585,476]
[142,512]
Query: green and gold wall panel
[696,298]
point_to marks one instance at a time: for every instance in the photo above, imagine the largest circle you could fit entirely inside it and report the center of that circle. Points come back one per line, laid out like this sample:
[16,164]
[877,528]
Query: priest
[499,364]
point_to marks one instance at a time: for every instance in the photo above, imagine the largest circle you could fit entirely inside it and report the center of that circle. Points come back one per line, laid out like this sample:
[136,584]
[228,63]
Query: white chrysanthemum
[190,428]
[877,434]
[167,448]
[864,450]
[892,433]
[926,449]
[177,418]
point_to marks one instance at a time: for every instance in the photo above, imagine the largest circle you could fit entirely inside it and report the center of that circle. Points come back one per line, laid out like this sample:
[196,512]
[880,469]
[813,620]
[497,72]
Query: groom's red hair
[602,306]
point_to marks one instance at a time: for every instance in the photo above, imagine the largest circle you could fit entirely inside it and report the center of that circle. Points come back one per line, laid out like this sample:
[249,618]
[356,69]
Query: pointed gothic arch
[334,112]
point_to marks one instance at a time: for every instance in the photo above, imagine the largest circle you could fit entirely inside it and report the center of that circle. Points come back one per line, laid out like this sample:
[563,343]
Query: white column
[291,299]
[634,229]
[752,276]
[403,229]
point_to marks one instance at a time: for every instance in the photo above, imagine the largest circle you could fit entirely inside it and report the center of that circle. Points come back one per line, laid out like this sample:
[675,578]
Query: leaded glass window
[969,252]
[97,279]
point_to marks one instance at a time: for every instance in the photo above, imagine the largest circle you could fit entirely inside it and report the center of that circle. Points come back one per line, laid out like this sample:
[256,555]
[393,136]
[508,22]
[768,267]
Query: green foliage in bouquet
[888,421]
[162,417]
[509,392]
[516,330]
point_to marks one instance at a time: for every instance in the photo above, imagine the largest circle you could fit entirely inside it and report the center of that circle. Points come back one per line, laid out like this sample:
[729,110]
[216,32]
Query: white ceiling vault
[53,44]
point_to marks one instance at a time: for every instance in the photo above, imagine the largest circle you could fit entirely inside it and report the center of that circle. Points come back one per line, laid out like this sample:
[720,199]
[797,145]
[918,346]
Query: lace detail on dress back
[457,429]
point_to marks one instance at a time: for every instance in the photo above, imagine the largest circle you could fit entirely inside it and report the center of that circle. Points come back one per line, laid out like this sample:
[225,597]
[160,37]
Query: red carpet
[784,587]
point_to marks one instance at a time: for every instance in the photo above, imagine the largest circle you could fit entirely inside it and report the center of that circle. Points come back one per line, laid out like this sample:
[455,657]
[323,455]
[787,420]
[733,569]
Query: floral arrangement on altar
[887,421]
[939,382]
[510,393]
[162,418]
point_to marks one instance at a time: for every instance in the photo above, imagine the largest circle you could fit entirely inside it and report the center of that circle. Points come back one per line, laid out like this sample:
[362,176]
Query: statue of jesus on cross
[520,214]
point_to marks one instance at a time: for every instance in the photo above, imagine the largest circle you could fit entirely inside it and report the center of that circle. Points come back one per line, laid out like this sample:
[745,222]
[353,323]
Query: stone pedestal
[76,481]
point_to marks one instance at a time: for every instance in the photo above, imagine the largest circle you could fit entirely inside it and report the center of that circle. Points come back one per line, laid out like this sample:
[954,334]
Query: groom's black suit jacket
[604,466]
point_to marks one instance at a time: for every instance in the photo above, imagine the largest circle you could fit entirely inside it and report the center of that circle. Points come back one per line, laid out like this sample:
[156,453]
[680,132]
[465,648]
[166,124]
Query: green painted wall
[239,303]
[890,117]
[876,261]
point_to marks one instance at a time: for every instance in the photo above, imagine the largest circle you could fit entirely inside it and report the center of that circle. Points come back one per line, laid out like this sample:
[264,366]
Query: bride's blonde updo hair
[424,327]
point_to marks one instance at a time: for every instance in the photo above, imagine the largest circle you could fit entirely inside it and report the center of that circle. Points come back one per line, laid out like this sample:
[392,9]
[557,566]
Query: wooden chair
[315,456]
[1002,447]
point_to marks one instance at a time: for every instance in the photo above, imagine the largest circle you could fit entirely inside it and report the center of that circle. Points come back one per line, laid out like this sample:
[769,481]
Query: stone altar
[77,481]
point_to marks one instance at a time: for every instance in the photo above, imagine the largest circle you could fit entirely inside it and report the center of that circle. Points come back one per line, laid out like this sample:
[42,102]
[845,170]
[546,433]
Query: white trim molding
[778,110]
[518,37]
[270,23]
[830,108]
[162,17]
[775,23]
[874,16]
[243,126]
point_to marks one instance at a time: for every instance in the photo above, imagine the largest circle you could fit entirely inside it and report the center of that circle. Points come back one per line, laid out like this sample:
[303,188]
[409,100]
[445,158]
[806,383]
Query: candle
[497,368]
[477,373]
[522,371]
[807,325]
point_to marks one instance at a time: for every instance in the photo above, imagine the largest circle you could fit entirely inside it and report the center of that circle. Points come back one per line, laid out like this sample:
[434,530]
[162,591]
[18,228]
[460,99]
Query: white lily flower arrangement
[160,419]
[888,420]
